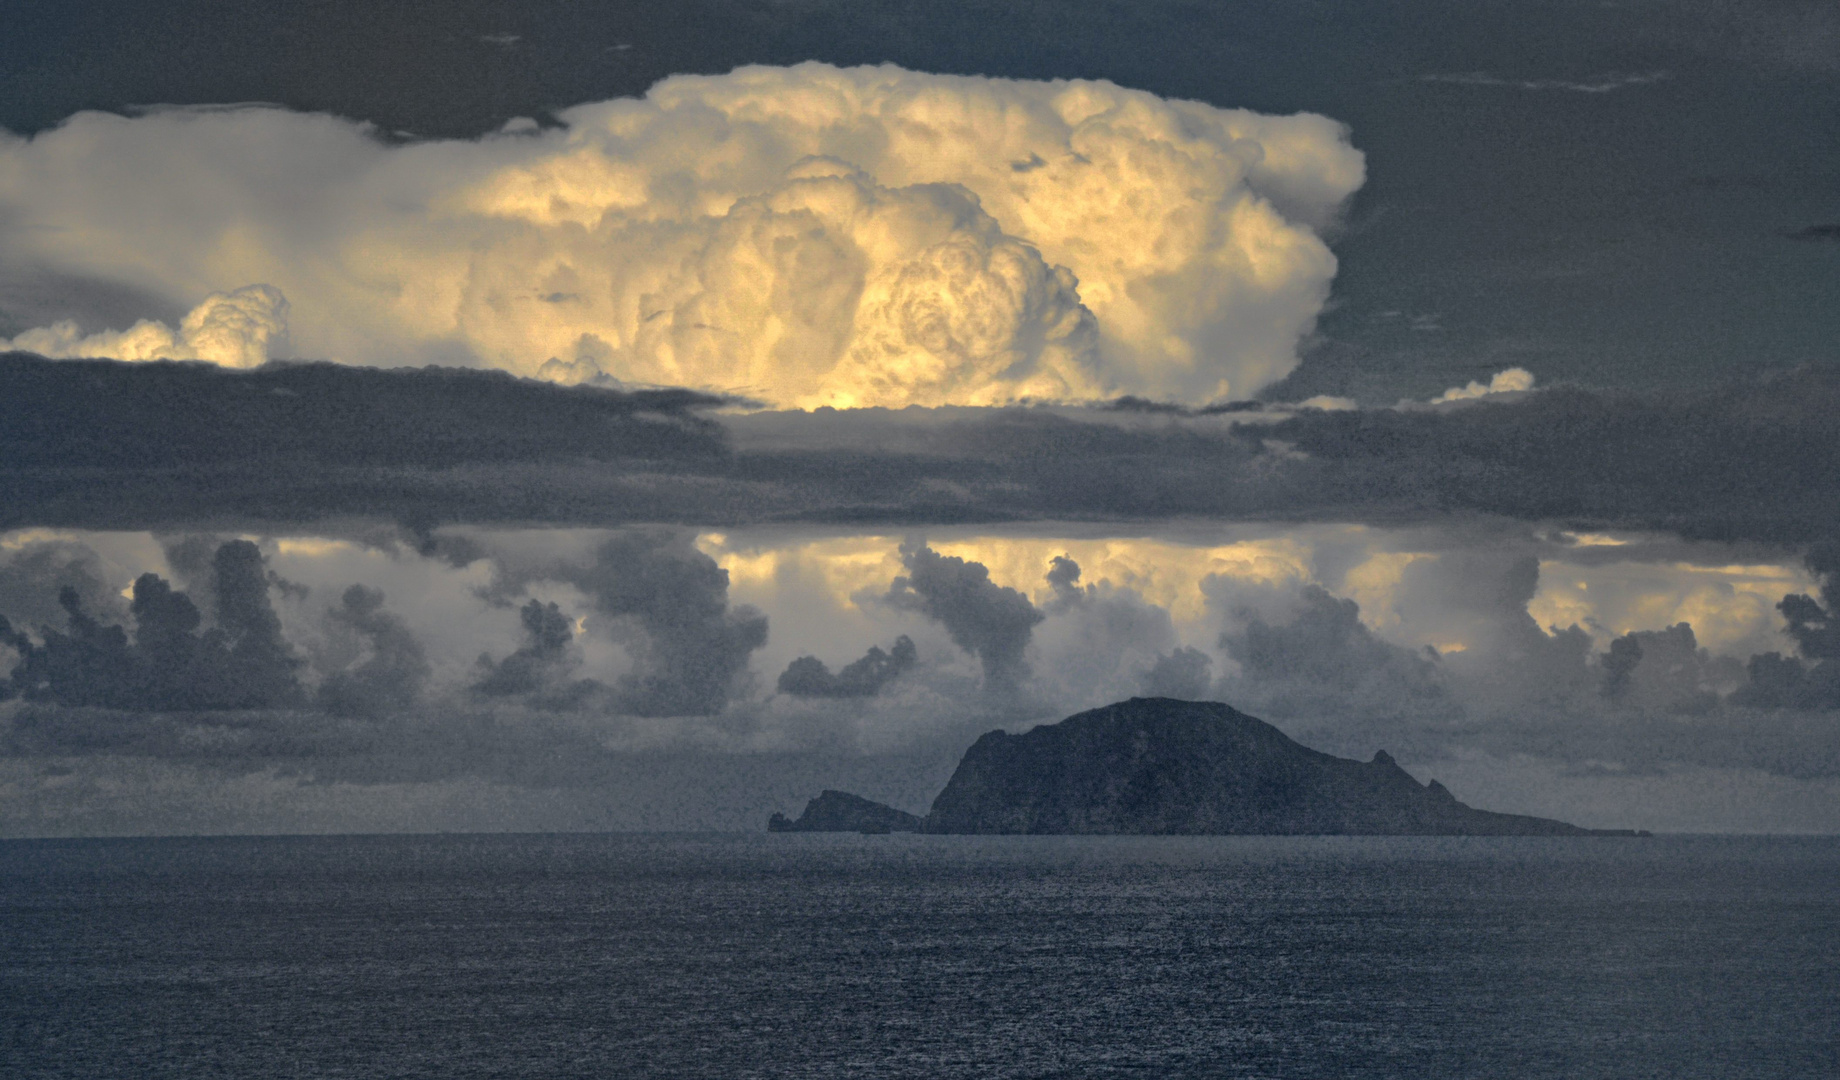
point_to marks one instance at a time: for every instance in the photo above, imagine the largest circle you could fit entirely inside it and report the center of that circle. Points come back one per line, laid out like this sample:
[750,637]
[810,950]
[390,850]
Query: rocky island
[840,811]
[1162,766]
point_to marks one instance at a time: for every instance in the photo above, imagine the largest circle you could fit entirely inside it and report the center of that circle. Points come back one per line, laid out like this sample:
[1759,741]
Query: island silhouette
[1161,766]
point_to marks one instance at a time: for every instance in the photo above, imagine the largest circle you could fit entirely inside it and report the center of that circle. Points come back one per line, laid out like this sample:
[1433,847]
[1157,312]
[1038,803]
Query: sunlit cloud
[1512,381]
[807,235]
[1732,608]
[242,328]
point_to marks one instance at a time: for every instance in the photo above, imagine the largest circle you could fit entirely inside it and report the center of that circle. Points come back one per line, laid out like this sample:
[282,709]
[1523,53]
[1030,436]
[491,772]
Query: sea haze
[768,956]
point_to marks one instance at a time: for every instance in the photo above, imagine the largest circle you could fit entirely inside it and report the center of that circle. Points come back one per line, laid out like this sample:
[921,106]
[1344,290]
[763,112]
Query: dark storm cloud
[1812,682]
[172,444]
[988,620]
[694,648]
[808,676]
[240,663]
[662,599]
[101,445]
[1063,577]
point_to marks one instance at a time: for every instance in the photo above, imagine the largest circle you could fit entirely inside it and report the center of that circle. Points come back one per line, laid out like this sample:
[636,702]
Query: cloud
[1182,673]
[808,677]
[1813,623]
[1512,381]
[1098,638]
[306,435]
[540,662]
[1323,659]
[1320,628]
[1601,84]
[384,668]
[692,648]
[34,575]
[1815,233]
[1666,670]
[239,329]
[310,443]
[241,662]
[809,235]
[985,619]
[1471,606]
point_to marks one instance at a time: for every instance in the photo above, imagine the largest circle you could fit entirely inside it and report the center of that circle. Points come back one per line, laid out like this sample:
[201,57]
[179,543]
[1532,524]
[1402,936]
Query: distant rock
[840,811]
[1158,765]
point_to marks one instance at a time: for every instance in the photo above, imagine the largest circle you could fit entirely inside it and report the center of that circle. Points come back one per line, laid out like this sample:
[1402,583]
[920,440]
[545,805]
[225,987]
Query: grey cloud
[1325,659]
[260,659]
[1753,461]
[665,601]
[985,619]
[1479,599]
[172,444]
[32,578]
[1063,577]
[1813,681]
[1666,670]
[189,557]
[808,676]
[541,663]
[1182,673]
[694,647]
[1096,637]
[240,663]
[1619,664]
[391,670]
[1656,700]
[1304,659]
[1598,84]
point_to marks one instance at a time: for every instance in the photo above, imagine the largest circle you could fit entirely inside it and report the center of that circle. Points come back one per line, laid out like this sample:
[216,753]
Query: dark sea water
[794,956]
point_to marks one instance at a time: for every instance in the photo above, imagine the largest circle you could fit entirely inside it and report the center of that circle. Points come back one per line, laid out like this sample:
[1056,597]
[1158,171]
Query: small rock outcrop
[840,811]
[1160,766]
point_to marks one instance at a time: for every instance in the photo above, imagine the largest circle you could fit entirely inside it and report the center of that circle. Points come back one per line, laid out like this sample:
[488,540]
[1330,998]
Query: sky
[566,416]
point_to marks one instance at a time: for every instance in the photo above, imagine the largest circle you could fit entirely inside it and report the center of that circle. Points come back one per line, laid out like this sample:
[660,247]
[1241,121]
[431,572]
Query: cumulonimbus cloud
[809,235]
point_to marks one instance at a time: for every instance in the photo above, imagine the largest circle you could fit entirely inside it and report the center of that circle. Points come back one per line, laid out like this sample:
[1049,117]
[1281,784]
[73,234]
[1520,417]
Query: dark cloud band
[104,445]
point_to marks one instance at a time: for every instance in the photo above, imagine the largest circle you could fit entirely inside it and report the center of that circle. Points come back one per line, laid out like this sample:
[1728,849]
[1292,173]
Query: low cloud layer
[807,235]
[301,445]
[544,660]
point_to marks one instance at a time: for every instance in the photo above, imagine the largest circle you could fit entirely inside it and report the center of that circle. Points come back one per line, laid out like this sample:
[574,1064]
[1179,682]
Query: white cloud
[242,328]
[1512,381]
[811,235]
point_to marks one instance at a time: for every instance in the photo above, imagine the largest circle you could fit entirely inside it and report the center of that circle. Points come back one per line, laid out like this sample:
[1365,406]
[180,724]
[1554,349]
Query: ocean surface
[896,956]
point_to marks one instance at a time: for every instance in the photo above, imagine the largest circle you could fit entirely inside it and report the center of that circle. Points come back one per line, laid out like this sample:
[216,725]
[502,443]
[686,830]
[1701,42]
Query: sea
[791,955]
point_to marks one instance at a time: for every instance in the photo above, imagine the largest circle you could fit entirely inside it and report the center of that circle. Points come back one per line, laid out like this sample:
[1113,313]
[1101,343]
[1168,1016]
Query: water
[801,956]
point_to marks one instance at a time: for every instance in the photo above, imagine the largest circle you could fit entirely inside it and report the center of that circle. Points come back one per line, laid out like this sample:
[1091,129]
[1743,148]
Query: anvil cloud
[806,236]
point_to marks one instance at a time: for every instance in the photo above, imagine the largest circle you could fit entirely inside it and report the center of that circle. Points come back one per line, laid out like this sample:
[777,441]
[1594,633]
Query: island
[840,811]
[1159,766]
